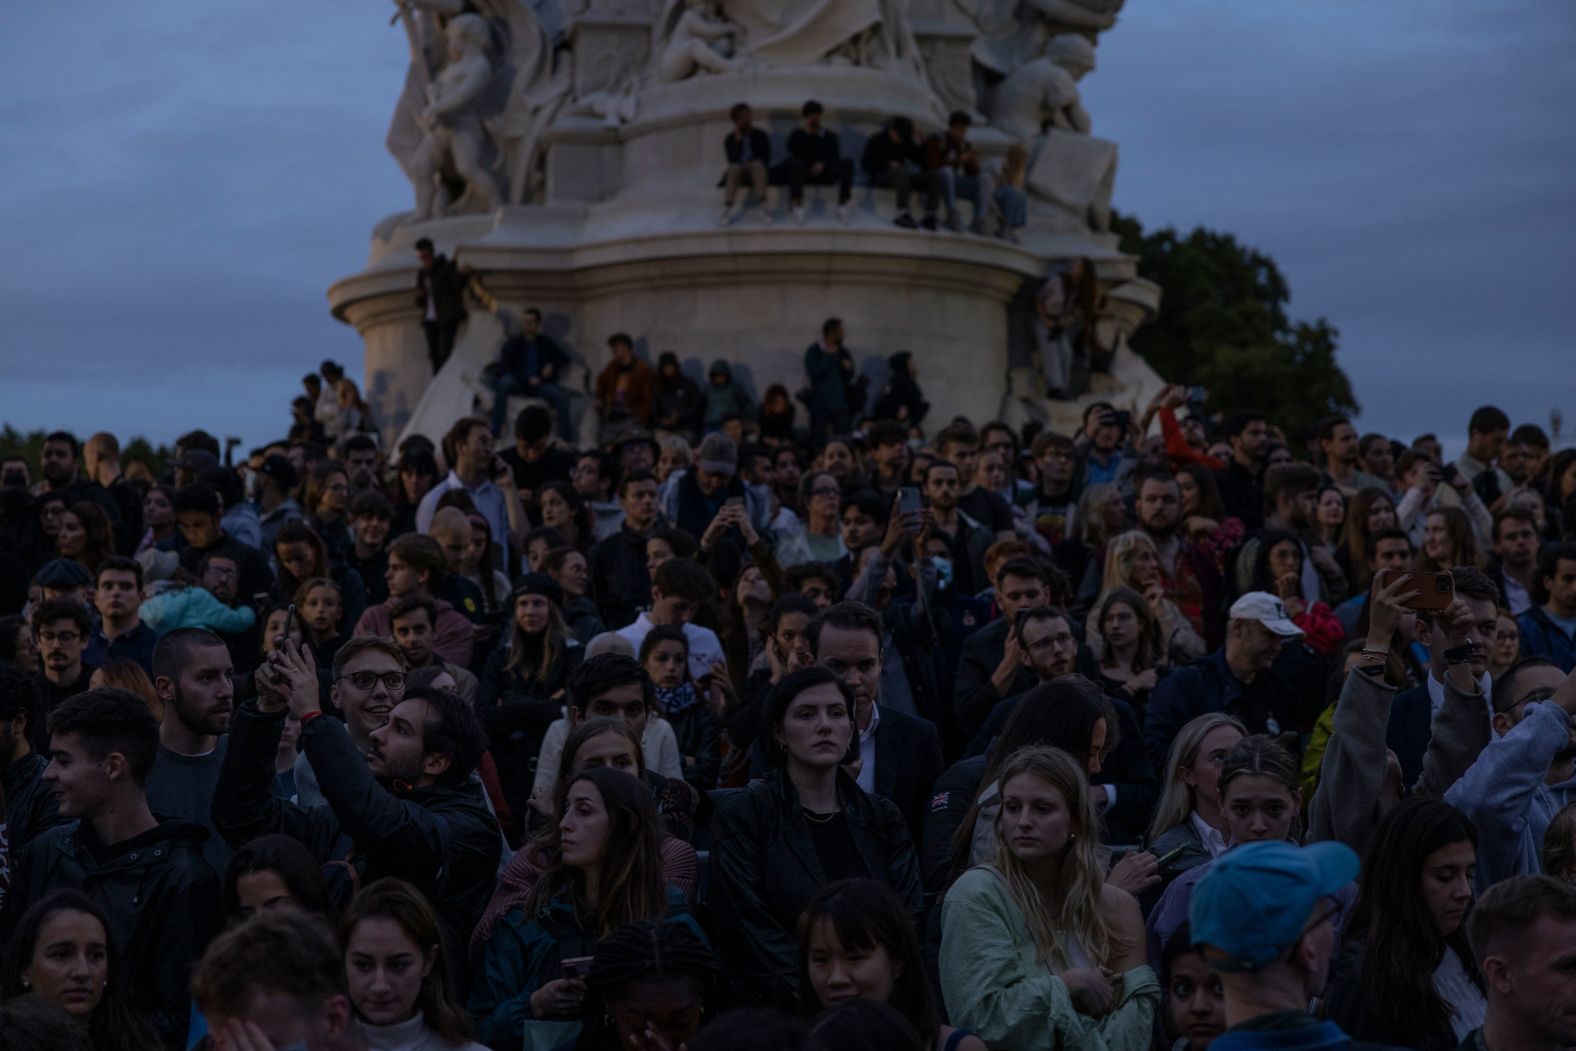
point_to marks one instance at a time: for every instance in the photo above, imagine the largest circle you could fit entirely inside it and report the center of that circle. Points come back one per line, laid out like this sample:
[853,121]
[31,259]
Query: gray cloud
[185,180]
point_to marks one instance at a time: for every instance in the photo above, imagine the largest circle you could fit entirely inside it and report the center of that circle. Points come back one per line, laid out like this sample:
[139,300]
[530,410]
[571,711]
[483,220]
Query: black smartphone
[908,501]
[293,620]
[1449,473]
[1123,419]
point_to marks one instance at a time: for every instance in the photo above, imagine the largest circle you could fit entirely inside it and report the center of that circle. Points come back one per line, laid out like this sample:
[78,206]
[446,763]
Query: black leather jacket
[161,898]
[30,808]
[764,870]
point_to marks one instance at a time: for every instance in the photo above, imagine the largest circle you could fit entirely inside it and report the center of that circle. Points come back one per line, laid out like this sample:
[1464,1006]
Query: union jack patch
[939,801]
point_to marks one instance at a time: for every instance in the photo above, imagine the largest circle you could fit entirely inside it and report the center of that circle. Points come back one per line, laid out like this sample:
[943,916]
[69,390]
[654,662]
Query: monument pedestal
[628,239]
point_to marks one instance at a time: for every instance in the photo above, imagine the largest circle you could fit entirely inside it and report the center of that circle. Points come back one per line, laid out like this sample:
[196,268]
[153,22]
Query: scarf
[676,699]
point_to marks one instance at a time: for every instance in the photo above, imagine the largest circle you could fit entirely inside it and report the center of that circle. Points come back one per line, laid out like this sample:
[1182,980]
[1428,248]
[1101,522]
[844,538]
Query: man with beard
[407,807]
[121,633]
[145,873]
[29,804]
[360,455]
[411,619]
[1290,490]
[1240,481]
[60,628]
[197,514]
[59,460]
[993,665]
[966,539]
[368,680]
[899,755]
[194,677]
[1339,451]
[1188,577]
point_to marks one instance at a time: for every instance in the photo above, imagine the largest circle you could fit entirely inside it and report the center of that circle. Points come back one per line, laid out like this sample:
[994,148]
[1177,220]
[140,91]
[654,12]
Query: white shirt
[1210,836]
[1517,599]
[1467,1006]
[488,498]
[705,649]
[867,751]
[658,748]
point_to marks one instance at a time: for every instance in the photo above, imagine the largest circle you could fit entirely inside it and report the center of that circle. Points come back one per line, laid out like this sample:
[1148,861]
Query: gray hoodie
[1504,794]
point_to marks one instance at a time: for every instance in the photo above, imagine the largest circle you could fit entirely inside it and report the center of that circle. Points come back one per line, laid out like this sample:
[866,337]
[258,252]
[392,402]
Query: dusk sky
[183,181]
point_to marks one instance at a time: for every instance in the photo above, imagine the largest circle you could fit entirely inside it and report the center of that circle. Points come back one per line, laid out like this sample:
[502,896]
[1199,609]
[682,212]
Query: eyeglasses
[1542,693]
[65,638]
[393,681]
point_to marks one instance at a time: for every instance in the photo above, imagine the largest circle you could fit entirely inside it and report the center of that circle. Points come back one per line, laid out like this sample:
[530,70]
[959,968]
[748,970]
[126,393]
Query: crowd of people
[1178,732]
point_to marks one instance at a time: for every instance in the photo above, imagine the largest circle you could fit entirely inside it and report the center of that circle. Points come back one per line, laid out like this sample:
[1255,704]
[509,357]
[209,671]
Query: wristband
[309,716]
[1370,651]
[1460,654]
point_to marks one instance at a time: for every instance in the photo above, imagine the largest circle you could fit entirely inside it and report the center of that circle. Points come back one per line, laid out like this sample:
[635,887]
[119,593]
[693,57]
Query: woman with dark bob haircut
[807,824]
[857,941]
[271,871]
[61,952]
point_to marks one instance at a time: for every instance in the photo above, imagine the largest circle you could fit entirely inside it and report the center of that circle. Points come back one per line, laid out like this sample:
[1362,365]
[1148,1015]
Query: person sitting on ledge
[814,157]
[892,159]
[749,151]
[951,157]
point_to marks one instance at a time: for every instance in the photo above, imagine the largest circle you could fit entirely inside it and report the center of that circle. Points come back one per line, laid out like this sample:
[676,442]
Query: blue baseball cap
[1253,902]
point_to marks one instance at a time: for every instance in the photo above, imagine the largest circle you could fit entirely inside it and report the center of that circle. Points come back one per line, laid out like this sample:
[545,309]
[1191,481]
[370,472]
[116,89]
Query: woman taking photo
[1131,562]
[523,685]
[856,941]
[1408,976]
[605,872]
[1132,660]
[60,951]
[1037,950]
[569,570]
[1278,570]
[664,653]
[1190,817]
[806,824]
[398,974]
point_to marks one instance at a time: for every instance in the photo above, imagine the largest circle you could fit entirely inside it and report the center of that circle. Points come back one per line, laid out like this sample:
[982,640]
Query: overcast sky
[182,181]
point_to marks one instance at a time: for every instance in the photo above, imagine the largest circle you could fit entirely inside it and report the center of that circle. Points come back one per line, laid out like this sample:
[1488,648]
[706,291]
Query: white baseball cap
[1267,610]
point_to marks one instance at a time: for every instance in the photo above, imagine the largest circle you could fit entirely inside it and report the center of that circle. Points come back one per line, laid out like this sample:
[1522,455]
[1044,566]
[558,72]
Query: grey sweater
[1347,804]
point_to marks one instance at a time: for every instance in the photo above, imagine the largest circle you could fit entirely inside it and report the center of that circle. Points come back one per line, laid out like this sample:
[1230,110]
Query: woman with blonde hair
[1037,950]
[355,414]
[1189,816]
[1132,562]
[128,675]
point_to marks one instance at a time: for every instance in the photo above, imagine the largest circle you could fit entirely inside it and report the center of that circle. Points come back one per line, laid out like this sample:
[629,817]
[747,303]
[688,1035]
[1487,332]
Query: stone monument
[569,153]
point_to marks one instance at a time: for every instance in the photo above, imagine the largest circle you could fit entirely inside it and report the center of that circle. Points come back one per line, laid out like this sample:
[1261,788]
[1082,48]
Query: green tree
[1223,325]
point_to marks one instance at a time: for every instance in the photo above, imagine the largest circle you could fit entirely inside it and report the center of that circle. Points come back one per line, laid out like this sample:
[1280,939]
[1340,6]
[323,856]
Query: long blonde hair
[1178,800]
[1079,877]
[1119,560]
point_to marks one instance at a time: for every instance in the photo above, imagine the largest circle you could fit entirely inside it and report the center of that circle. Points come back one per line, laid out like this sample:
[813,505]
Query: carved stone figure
[701,39]
[1013,32]
[1044,91]
[481,88]
[874,33]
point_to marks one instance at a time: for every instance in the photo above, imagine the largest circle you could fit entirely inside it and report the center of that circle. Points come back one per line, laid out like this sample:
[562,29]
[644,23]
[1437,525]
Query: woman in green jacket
[1037,950]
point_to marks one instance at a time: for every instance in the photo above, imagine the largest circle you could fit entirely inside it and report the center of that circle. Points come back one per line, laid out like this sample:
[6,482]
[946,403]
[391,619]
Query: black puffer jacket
[161,898]
[619,578]
[442,839]
[764,870]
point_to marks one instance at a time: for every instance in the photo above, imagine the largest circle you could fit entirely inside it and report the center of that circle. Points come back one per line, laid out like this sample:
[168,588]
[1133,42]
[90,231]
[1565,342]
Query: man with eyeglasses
[1525,774]
[61,628]
[1264,918]
[368,681]
[1126,787]
[404,806]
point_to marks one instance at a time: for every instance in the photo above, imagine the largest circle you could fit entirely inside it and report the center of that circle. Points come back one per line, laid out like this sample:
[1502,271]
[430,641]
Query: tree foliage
[1223,325]
[30,447]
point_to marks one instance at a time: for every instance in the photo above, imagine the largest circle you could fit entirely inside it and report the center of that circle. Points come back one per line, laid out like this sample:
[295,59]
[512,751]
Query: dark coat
[901,392]
[908,762]
[442,839]
[550,363]
[951,798]
[1410,728]
[973,696]
[764,870]
[699,737]
[1344,1003]
[679,405]
[1282,696]
[619,578]
[160,896]
[517,714]
[1541,637]
[30,807]
[446,285]
[760,147]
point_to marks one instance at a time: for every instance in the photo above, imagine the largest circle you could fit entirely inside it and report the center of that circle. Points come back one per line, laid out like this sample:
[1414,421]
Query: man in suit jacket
[899,755]
[987,672]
